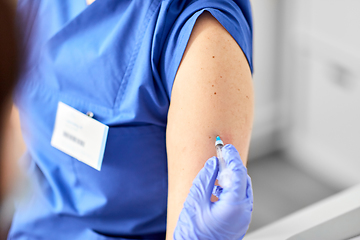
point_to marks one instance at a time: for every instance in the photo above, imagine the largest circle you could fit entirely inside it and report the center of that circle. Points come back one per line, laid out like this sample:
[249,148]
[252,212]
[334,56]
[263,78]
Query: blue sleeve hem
[238,27]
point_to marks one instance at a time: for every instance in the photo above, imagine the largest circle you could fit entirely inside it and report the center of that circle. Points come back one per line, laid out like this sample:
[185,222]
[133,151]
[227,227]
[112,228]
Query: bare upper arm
[212,95]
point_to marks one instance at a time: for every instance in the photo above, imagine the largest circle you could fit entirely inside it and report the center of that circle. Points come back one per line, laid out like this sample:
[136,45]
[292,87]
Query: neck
[88,2]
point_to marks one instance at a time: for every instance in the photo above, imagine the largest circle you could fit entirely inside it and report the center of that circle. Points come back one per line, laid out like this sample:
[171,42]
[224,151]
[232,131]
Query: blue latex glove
[228,218]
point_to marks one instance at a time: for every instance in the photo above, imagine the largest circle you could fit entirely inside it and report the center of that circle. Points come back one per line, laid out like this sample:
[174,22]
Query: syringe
[224,172]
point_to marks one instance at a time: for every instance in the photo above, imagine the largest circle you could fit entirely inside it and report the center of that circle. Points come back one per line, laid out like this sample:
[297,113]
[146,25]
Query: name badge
[79,136]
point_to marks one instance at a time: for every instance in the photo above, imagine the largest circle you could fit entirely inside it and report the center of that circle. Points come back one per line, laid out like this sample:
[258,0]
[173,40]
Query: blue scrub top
[117,59]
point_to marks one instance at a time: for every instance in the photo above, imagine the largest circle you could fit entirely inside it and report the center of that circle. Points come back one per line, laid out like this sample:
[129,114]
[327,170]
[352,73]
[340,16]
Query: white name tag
[79,136]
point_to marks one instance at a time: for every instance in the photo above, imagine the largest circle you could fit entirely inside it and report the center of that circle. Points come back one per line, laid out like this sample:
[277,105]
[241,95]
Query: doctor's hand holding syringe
[230,216]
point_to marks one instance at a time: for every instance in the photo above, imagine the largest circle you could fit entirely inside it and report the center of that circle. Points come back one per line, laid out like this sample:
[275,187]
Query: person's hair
[8,53]
[8,75]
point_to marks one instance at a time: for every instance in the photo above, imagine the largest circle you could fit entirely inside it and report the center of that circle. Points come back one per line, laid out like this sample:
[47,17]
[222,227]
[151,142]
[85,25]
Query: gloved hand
[230,216]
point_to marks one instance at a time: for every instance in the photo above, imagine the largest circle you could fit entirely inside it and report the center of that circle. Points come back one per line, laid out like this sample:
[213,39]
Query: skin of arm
[12,148]
[212,95]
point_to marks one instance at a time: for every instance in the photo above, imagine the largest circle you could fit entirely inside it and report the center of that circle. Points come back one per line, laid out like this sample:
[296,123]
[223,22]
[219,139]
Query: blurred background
[306,135]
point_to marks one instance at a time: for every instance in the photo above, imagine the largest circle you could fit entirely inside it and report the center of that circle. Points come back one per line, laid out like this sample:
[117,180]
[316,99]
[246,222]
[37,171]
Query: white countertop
[311,216]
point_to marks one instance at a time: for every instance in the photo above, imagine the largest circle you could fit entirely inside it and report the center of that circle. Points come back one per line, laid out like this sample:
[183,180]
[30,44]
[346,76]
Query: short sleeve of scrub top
[118,60]
[235,17]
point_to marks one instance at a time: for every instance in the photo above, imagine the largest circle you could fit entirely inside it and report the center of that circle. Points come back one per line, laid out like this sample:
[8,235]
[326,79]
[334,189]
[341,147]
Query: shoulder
[232,18]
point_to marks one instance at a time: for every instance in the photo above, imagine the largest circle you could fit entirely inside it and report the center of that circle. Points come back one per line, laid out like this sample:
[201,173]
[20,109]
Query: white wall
[265,18]
[321,59]
[307,85]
